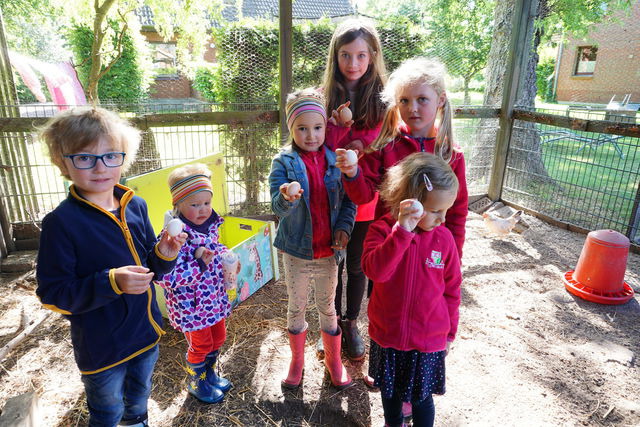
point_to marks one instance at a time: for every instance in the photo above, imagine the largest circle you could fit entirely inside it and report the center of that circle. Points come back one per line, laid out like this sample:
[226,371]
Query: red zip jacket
[416,292]
[373,166]
[340,137]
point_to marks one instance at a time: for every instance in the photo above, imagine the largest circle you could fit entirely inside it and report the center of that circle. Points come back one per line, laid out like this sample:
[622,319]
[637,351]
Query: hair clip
[427,182]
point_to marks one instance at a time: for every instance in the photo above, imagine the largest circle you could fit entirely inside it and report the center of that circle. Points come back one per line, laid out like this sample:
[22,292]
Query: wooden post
[8,100]
[286,62]
[519,52]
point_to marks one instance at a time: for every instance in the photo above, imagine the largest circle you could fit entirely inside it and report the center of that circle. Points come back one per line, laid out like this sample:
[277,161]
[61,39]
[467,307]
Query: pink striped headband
[303,105]
[188,186]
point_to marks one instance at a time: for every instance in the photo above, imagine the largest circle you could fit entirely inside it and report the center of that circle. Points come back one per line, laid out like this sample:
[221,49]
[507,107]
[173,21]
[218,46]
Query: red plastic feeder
[599,275]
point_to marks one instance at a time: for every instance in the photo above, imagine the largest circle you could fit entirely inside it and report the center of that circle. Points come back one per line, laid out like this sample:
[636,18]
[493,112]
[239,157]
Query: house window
[164,59]
[586,60]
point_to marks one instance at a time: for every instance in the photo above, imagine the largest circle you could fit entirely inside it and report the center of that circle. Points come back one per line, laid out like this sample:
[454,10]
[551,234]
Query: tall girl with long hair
[353,80]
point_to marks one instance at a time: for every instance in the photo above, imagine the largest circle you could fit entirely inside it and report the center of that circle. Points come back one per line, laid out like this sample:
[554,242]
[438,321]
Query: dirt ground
[527,353]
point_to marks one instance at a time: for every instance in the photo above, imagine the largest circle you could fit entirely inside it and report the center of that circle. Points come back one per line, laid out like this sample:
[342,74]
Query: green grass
[595,179]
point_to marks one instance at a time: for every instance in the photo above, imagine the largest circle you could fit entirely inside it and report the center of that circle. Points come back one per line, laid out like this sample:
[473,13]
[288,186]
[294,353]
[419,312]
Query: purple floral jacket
[196,297]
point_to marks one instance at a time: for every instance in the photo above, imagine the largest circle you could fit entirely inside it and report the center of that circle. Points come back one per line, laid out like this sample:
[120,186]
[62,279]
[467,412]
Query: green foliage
[127,80]
[205,80]
[544,72]
[33,28]
[462,40]
[400,39]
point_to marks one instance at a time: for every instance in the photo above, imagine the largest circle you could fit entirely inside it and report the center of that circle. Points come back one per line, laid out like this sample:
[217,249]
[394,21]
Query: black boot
[354,345]
[214,379]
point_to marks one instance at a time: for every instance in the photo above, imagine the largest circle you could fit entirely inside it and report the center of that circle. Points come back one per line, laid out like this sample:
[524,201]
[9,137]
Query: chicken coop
[573,163]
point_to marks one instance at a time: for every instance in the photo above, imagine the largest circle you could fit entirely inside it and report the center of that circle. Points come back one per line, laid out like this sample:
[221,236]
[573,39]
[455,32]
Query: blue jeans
[120,394]
[423,413]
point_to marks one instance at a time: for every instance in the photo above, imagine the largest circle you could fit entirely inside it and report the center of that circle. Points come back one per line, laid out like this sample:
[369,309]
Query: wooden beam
[145,121]
[601,126]
[286,62]
[476,113]
[516,65]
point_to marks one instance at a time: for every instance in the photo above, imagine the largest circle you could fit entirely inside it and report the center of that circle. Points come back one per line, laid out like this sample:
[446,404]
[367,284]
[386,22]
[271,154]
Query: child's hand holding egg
[291,191]
[175,227]
[346,114]
[351,158]
[410,213]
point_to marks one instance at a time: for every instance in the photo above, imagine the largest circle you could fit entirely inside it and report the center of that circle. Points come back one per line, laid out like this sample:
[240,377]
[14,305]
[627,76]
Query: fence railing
[572,170]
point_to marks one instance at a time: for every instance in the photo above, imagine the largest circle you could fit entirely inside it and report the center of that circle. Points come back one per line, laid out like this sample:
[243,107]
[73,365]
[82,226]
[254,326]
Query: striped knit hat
[304,104]
[188,186]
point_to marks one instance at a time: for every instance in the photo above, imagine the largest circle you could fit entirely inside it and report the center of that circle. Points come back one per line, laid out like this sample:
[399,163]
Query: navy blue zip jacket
[81,245]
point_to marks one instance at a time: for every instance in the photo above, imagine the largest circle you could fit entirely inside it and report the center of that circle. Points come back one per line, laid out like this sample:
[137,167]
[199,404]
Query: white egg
[293,188]
[198,252]
[417,205]
[345,114]
[174,227]
[352,157]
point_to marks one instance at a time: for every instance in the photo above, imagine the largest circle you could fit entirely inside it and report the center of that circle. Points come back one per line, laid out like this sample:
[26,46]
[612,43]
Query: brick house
[169,83]
[604,64]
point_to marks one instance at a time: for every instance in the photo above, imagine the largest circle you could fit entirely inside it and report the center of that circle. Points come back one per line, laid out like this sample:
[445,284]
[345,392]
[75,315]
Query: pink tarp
[61,80]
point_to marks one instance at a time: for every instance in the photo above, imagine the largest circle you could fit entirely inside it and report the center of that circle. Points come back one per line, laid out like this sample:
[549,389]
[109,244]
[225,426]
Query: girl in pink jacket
[413,260]
[353,80]
[418,119]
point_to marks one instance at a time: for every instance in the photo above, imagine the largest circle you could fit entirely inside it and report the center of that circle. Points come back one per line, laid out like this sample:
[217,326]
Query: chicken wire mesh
[248,81]
[587,179]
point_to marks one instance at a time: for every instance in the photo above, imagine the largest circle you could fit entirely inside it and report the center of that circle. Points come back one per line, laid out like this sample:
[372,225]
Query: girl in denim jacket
[316,218]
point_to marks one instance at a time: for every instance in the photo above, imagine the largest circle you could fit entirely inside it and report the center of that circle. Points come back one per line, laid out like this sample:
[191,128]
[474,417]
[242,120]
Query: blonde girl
[418,118]
[353,80]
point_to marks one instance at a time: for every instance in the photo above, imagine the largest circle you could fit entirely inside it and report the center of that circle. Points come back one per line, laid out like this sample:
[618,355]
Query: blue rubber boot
[214,379]
[199,386]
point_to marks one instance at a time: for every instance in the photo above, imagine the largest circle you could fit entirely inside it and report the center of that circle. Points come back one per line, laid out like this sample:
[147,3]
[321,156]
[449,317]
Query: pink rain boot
[296,342]
[333,362]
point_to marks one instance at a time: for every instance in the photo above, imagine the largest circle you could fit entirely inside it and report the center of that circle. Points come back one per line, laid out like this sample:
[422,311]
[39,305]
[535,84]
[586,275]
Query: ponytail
[389,131]
[444,139]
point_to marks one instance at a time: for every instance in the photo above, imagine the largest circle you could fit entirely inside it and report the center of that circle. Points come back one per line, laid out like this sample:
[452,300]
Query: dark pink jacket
[416,292]
[373,166]
[340,137]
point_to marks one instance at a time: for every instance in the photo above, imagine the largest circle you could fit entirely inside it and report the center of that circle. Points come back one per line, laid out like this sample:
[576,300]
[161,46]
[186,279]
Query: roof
[268,9]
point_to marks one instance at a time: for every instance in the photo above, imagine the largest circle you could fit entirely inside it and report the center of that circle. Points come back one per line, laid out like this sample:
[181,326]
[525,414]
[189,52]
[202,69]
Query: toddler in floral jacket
[197,301]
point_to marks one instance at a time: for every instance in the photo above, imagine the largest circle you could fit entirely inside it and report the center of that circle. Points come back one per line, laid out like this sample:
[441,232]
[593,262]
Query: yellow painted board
[154,189]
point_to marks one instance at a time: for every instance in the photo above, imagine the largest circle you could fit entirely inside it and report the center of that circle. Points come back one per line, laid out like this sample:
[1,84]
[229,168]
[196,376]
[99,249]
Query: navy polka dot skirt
[410,375]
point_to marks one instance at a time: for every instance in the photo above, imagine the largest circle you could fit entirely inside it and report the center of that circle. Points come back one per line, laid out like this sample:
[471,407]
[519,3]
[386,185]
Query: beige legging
[322,273]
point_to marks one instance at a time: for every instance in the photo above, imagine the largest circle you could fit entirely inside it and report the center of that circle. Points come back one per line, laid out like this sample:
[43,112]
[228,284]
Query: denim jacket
[294,235]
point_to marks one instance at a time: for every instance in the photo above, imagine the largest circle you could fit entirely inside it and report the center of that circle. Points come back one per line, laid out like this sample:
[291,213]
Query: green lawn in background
[596,178]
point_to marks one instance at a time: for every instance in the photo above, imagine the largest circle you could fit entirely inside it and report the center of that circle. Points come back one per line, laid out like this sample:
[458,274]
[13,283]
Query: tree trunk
[528,156]
[526,139]
[481,156]
[467,98]
[96,59]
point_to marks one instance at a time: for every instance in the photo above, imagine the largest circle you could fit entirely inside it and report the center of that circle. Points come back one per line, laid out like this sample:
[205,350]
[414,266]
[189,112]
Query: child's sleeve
[346,216]
[59,287]
[335,135]
[384,249]
[156,262]
[362,187]
[452,281]
[456,217]
[277,177]
[186,272]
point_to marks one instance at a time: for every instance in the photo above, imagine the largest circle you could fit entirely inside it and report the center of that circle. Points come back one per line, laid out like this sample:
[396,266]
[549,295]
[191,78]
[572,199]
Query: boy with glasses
[98,255]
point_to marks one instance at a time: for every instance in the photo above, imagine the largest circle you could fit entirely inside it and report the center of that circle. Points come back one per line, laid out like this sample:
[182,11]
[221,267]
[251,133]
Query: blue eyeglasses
[88,161]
